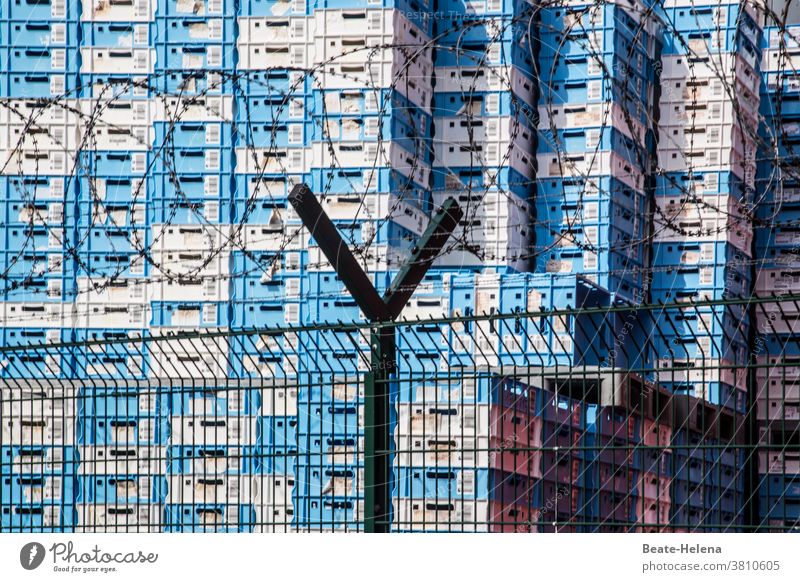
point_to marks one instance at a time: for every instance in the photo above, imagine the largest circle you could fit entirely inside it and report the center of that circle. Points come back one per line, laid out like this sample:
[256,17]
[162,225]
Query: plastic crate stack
[777,390]
[484,113]
[466,458]
[39,59]
[597,67]
[116,139]
[702,240]
[38,459]
[191,169]
[273,103]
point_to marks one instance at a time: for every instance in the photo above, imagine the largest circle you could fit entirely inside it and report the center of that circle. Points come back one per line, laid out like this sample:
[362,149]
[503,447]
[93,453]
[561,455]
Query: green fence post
[377,431]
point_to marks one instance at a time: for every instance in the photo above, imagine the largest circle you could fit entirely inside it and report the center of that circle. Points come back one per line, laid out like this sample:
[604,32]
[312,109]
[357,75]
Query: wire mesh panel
[503,423]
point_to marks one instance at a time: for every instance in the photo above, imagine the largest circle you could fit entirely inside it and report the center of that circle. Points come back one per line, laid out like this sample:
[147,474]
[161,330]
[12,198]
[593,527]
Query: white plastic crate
[608,114]
[267,237]
[273,490]
[709,370]
[43,429]
[711,67]
[779,462]
[55,136]
[122,460]
[214,430]
[197,262]
[779,318]
[104,11]
[201,108]
[98,315]
[43,113]
[111,113]
[703,134]
[139,61]
[275,160]
[119,518]
[49,315]
[704,115]
[371,154]
[488,78]
[33,162]
[779,409]
[199,359]
[699,159]
[443,515]
[273,518]
[454,451]
[219,488]
[436,419]
[121,138]
[590,164]
[278,401]
[457,131]
[177,237]
[777,281]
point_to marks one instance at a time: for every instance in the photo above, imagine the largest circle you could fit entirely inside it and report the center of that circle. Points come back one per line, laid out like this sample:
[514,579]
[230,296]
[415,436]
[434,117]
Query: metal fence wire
[538,421]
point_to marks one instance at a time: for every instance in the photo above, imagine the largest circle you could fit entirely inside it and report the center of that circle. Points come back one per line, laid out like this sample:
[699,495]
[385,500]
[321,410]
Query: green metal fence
[503,422]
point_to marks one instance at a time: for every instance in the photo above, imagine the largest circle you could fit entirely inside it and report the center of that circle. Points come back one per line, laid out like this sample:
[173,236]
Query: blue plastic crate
[123,489]
[41,33]
[277,432]
[37,85]
[445,483]
[328,512]
[208,517]
[273,82]
[174,9]
[37,459]
[188,134]
[186,160]
[112,264]
[247,314]
[189,83]
[278,108]
[37,60]
[211,458]
[31,518]
[319,481]
[317,419]
[290,134]
[278,461]
[117,34]
[36,488]
[185,29]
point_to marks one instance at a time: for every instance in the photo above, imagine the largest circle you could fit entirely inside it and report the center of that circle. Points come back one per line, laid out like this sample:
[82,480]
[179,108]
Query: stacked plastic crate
[273,153]
[708,111]
[117,111]
[484,113]
[39,59]
[597,66]
[777,390]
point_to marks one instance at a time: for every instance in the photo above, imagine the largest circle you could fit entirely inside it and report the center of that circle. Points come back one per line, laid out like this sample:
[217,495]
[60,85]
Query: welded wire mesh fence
[590,419]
